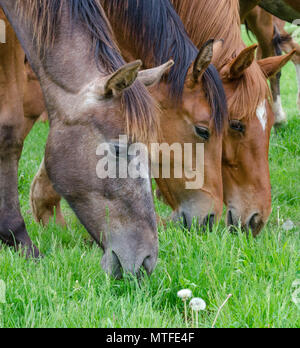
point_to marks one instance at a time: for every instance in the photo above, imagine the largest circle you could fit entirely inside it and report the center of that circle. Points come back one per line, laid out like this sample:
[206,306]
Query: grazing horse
[287,10]
[191,98]
[246,177]
[92,97]
[273,39]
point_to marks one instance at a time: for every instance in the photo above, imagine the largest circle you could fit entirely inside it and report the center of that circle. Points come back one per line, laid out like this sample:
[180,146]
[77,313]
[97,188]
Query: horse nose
[149,264]
[255,224]
[116,263]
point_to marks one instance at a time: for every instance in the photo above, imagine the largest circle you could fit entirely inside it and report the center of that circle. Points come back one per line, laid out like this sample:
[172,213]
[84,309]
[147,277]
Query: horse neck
[65,68]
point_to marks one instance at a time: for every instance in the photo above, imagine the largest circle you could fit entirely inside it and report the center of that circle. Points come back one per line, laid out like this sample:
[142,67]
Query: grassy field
[69,289]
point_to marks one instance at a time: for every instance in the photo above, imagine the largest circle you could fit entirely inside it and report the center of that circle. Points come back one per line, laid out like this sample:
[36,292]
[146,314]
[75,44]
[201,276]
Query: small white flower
[288,225]
[197,304]
[184,294]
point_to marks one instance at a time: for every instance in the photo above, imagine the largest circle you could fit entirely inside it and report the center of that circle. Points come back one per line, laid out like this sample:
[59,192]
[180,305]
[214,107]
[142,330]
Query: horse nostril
[111,264]
[209,222]
[256,224]
[149,264]
[230,218]
[184,221]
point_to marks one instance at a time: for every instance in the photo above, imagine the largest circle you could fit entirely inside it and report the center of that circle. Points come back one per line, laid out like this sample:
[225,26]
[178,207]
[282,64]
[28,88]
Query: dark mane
[45,17]
[158,35]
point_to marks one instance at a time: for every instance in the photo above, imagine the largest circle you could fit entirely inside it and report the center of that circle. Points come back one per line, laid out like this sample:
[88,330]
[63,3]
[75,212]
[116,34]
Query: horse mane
[158,34]
[45,17]
[220,19]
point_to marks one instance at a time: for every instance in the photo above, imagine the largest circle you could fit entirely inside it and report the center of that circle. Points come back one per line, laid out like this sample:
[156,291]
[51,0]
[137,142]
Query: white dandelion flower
[184,294]
[197,304]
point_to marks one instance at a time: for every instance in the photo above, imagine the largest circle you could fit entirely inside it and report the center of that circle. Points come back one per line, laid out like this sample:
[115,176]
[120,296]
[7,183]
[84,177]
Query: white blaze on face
[261,113]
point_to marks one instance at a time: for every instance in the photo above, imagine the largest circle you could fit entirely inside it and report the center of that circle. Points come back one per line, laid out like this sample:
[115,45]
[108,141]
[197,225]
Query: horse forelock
[216,96]
[45,17]
[220,19]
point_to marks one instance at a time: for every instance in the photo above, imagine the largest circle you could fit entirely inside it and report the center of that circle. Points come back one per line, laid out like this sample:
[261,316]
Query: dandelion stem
[185,313]
[1,318]
[197,319]
[192,319]
[219,311]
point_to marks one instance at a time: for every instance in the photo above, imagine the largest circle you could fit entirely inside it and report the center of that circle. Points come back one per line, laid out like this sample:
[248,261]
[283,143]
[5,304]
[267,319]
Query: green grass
[69,289]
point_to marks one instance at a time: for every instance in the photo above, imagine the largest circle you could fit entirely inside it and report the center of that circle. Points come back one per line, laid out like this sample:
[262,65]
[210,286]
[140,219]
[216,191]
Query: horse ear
[151,77]
[242,62]
[122,79]
[205,57]
[272,65]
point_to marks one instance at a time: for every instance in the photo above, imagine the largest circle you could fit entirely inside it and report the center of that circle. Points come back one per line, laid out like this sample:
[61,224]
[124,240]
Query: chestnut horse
[12,132]
[91,97]
[246,177]
[192,101]
[273,39]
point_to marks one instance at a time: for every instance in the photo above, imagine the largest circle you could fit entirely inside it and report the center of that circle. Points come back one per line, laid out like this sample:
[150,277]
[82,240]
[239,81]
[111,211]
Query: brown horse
[246,178]
[13,127]
[91,97]
[192,101]
[287,10]
[273,39]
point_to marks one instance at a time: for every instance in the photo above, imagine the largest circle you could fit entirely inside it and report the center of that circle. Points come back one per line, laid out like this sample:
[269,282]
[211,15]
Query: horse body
[88,103]
[273,39]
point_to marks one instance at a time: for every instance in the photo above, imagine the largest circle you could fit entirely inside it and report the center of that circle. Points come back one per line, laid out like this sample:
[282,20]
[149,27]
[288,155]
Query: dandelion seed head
[184,294]
[197,304]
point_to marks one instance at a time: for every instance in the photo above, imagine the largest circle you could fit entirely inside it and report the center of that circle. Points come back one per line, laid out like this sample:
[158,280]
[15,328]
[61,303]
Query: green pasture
[68,288]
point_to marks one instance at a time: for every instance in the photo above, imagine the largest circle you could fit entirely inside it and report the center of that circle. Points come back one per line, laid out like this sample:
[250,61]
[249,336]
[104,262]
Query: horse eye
[237,126]
[202,132]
